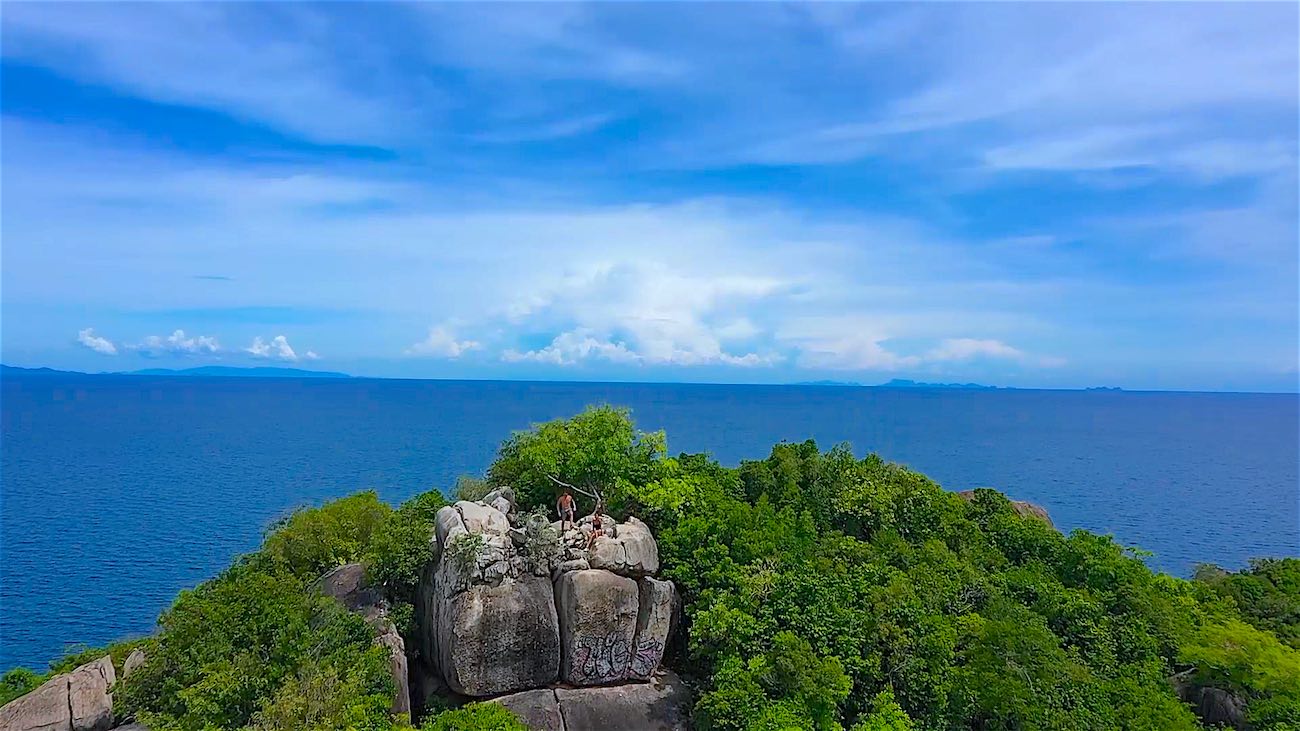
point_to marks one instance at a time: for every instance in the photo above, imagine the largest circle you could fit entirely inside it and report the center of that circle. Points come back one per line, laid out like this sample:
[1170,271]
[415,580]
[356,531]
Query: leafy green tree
[400,547]
[599,448]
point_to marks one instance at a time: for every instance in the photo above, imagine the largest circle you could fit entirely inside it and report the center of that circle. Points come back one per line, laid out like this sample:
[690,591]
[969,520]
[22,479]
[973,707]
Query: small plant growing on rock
[541,541]
[464,550]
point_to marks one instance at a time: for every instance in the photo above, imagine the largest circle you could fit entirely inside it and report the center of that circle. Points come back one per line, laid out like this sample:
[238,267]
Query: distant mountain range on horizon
[201,371]
[278,372]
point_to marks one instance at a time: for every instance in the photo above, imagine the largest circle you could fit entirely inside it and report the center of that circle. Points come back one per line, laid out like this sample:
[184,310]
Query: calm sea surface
[120,491]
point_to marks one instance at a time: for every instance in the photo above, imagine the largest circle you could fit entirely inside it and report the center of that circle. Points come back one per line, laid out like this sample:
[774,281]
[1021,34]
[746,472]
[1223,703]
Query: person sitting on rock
[596,528]
[564,506]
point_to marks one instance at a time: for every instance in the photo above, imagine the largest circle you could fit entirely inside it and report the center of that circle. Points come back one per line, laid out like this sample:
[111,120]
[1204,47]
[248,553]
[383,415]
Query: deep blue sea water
[119,491]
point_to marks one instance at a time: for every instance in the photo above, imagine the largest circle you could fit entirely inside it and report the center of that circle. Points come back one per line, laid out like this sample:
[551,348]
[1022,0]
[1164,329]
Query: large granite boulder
[597,611]
[629,549]
[498,639]
[75,701]
[656,601]
[480,518]
[660,705]
[133,662]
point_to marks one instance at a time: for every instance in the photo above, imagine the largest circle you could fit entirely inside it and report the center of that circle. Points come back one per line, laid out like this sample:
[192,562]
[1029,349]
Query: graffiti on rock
[601,659]
[646,658]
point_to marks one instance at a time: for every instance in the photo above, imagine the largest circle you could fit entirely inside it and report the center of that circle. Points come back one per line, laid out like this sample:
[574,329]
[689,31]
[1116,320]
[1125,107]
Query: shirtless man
[564,506]
[596,525]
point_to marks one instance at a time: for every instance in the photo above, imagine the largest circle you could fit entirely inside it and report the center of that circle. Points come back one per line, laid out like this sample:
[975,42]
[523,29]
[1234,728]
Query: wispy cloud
[442,343]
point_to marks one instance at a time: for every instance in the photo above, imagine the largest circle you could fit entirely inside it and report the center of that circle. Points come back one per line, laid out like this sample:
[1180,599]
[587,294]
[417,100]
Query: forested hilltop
[819,591]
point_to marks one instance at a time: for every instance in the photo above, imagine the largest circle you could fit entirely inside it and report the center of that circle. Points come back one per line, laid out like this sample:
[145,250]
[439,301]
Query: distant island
[901,383]
[905,383]
[202,371]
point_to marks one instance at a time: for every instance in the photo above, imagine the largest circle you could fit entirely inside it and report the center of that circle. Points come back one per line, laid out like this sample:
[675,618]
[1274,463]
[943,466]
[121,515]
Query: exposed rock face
[660,705]
[598,612]
[498,639]
[654,623]
[75,701]
[510,603]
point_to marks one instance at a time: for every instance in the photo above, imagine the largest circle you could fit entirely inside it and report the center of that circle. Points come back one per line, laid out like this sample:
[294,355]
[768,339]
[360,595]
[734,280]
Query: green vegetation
[821,592]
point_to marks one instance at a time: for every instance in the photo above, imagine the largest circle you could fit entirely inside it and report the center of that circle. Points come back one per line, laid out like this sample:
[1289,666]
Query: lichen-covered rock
[480,518]
[654,621]
[597,612]
[498,639]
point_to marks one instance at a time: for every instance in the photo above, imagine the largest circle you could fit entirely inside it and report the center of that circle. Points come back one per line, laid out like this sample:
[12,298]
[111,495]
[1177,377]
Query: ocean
[116,492]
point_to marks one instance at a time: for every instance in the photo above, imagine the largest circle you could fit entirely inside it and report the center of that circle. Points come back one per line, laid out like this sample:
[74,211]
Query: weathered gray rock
[642,550]
[88,697]
[447,525]
[608,554]
[347,584]
[661,705]
[498,639]
[43,709]
[597,612]
[538,709]
[481,518]
[75,701]
[133,662]
[391,639]
[654,621]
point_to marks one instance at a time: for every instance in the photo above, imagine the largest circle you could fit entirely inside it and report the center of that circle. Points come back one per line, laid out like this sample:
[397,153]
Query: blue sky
[1042,195]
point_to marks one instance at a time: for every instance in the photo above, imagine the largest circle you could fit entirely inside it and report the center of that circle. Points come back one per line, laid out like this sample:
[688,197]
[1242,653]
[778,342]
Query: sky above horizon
[1046,195]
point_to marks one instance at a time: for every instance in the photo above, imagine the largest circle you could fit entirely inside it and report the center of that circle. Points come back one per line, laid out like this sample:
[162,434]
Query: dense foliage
[821,592]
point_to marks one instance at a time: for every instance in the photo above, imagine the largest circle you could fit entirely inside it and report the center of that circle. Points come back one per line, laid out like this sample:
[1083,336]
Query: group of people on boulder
[566,507]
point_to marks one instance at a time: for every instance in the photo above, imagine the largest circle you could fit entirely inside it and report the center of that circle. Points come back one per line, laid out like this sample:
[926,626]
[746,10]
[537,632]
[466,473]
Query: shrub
[230,648]
[402,545]
[312,541]
[464,551]
[475,717]
[18,682]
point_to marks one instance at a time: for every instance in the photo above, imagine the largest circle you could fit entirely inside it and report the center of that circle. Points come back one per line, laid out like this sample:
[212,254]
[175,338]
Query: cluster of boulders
[76,701]
[515,602]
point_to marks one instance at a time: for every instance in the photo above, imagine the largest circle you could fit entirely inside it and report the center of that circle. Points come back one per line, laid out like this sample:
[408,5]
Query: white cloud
[177,344]
[277,349]
[88,338]
[572,347]
[311,355]
[968,348]
[442,343]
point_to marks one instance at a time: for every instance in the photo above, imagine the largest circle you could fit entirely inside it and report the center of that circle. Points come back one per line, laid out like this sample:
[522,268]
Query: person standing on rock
[564,506]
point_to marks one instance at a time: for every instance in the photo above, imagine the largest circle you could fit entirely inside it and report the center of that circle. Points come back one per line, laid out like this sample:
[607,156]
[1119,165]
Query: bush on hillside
[312,541]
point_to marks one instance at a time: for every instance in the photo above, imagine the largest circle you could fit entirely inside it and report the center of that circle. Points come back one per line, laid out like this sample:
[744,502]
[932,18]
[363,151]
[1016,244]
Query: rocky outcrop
[347,584]
[75,701]
[509,603]
[659,705]
[1023,508]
